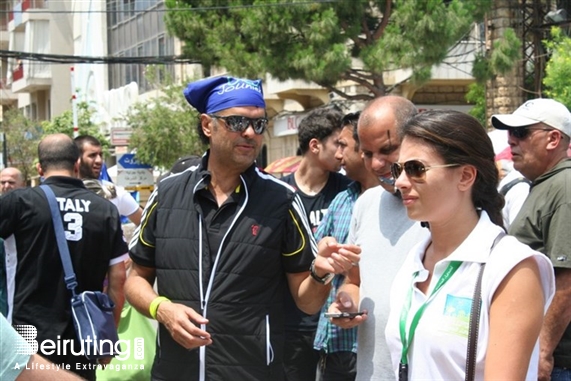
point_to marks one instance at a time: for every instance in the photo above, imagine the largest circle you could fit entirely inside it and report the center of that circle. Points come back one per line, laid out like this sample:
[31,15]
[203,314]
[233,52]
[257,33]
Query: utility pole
[74,104]
[4,150]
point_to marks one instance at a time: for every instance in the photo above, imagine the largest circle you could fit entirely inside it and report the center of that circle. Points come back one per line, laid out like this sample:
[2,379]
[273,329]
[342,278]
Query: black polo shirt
[218,219]
[95,240]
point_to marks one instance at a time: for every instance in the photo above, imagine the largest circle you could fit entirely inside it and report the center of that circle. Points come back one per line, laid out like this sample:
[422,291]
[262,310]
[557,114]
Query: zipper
[204,297]
[269,349]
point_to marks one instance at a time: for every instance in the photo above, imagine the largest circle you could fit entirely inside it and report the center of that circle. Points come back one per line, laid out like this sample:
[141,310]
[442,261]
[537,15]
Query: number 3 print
[74,226]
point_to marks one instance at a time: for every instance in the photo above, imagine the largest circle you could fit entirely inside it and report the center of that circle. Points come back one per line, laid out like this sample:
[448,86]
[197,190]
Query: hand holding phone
[339,315]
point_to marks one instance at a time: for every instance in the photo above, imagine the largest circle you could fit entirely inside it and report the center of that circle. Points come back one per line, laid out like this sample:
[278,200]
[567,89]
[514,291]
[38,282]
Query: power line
[193,9]
[67,59]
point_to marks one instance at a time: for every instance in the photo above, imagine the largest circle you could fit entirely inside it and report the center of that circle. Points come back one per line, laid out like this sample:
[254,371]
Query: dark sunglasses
[238,123]
[414,169]
[523,132]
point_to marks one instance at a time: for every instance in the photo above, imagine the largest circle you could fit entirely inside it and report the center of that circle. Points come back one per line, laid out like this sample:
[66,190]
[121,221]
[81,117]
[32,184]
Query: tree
[476,95]
[500,60]
[64,124]
[164,129]
[22,138]
[557,78]
[324,42]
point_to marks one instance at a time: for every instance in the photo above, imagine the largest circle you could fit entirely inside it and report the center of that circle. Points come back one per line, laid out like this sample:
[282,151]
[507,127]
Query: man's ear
[39,169]
[206,123]
[314,145]
[467,177]
[76,168]
[555,139]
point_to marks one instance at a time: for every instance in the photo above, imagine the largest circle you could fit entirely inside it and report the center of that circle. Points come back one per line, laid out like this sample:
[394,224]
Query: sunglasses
[523,132]
[238,123]
[415,169]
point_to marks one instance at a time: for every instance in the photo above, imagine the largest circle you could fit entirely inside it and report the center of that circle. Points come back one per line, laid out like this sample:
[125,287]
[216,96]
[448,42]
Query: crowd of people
[420,261]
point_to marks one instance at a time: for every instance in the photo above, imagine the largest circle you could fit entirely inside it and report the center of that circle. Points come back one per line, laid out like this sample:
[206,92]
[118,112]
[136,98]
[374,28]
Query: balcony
[28,81]
[26,11]
[308,95]
[18,73]
[455,69]
[4,37]
[7,97]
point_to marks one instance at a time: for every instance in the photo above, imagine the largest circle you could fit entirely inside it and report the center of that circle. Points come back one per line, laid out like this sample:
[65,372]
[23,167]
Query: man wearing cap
[223,240]
[538,134]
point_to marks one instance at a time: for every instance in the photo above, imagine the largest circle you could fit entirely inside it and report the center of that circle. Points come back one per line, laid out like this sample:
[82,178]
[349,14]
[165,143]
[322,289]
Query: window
[162,45]
[112,12]
[129,8]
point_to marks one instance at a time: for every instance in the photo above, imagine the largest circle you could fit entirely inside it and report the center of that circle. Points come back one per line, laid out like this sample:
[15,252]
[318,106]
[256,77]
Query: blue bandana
[211,95]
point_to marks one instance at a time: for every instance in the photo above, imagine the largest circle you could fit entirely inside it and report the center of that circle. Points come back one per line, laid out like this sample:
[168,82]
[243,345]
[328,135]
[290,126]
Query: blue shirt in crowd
[335,223]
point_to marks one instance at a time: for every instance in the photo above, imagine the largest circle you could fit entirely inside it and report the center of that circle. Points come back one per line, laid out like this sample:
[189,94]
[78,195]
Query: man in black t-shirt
[317,182]
[317,179]
[95,239]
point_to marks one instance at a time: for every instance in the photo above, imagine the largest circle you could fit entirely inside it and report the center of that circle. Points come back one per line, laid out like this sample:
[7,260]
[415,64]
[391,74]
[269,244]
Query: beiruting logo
[65,346]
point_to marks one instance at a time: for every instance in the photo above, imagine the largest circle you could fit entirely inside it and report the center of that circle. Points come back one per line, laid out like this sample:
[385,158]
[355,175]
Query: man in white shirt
[90,167]
[381,227]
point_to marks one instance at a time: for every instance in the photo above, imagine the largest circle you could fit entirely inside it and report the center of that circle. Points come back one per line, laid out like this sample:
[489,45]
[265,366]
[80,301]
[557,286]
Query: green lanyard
[450,270]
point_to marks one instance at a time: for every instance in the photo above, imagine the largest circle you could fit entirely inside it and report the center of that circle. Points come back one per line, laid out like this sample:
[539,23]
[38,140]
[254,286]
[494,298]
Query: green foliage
[64,124]
[503,57]
[164,128]
[505,53]
[477,96]
[356,40]
[557,78]
[481,69]
[22,138]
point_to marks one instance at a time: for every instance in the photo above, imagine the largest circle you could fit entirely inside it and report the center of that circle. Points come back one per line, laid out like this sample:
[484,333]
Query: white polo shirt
[438,350]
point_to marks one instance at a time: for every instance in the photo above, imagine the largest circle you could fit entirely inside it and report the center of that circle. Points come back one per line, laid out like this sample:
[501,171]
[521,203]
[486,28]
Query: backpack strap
[474,322]
[506,188]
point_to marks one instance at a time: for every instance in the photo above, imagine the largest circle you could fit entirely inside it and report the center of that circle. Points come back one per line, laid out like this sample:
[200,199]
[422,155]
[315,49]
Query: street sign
[128,161]
[120,136]
[131,173]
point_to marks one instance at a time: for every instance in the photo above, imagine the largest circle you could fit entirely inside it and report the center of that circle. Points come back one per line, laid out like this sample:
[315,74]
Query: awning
[284,165]
[506,154]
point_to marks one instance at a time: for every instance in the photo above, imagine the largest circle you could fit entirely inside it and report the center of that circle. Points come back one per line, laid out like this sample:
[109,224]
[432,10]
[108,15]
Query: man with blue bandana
[223,240]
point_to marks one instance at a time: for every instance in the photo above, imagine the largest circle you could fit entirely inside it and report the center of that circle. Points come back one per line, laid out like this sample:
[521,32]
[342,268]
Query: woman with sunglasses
[447,179]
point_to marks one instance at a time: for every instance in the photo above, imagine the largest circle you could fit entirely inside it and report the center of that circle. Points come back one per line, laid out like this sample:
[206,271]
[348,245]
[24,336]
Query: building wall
[441,95]
[61,39]
[136,29]
[504,93]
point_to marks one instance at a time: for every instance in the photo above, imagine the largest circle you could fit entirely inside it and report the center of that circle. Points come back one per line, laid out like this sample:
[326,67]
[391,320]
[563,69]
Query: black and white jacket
[239,288]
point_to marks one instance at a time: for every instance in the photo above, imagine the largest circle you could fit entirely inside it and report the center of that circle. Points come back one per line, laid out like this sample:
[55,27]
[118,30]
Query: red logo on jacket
[255,229]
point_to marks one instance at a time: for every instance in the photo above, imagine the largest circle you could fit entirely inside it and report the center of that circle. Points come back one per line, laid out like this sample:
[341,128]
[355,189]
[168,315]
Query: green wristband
[155,305]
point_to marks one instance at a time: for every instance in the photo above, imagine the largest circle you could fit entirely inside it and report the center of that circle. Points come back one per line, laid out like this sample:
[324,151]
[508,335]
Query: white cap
[547,111]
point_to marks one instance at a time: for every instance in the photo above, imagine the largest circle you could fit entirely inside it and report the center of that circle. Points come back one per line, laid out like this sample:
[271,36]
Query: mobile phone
[338,315]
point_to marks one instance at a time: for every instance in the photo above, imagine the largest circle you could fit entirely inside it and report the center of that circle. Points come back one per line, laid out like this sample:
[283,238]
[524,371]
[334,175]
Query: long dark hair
[460,138]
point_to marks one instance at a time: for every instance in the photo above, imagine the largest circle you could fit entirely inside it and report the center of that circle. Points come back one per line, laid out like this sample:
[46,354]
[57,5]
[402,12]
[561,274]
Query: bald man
[381,227]
[11,178]
[93,231]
